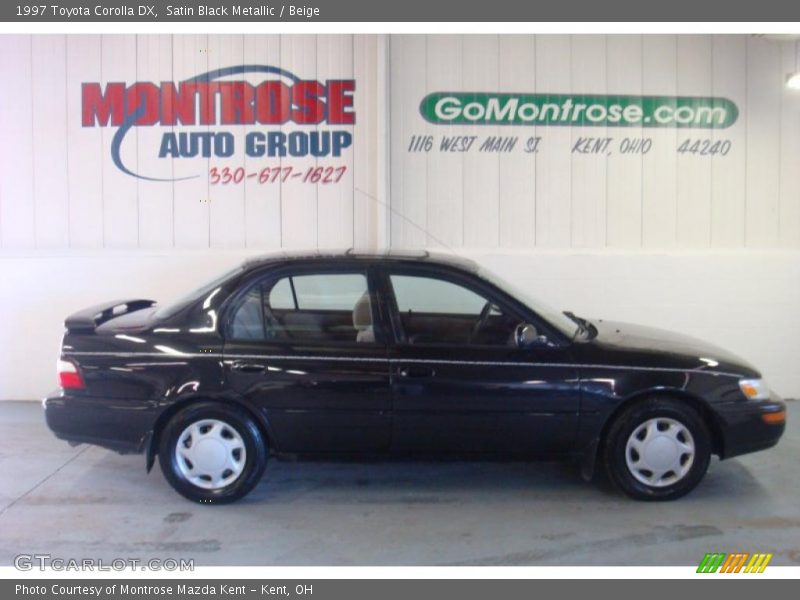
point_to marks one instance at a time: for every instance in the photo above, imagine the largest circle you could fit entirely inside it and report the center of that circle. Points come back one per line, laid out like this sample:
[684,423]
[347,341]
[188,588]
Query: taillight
[68,376]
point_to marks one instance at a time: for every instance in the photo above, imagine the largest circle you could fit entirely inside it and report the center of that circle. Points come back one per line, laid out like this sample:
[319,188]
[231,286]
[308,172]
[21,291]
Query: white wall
[707,246]
[59,188]
[749,198]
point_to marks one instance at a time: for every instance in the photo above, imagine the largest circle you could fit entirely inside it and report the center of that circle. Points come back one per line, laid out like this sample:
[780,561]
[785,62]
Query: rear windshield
[169,310]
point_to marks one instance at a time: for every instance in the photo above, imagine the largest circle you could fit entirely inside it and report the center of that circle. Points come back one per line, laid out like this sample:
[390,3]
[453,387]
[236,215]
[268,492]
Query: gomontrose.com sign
[469,108]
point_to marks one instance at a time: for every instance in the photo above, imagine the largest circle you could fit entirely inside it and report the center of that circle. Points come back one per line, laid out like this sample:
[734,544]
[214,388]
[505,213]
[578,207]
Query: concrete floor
[89,502]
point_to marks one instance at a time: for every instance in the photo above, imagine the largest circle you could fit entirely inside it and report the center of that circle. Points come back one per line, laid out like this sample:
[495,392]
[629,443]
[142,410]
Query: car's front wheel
[212,453]
[658,449]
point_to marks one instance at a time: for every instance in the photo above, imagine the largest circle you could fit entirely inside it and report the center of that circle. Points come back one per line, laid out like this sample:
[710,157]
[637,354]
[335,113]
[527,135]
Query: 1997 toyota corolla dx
[357,355]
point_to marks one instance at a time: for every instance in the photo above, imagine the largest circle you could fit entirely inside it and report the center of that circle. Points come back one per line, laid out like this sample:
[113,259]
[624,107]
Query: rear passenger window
[329,292]
[281,295]
[322,307]
[248,321]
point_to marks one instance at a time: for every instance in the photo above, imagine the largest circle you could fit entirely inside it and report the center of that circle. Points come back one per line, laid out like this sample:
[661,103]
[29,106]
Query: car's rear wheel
[212,453]
[658,449]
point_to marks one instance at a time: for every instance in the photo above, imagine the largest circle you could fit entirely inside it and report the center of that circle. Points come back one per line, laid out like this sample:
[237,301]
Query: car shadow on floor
[384,483]
[456,482]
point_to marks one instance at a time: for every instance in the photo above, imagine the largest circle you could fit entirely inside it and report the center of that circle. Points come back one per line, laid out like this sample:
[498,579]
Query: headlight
[754,389]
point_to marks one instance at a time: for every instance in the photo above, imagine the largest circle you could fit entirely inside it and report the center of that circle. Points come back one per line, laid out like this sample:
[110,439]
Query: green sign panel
[577,110]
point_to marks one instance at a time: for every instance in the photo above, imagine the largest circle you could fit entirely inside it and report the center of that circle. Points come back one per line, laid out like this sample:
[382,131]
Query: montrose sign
[224,113]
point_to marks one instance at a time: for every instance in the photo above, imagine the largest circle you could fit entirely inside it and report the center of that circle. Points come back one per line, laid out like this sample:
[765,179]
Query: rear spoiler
[94,316]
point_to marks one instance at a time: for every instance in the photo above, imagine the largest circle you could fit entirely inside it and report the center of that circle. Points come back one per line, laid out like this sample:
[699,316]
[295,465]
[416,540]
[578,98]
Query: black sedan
[396,355]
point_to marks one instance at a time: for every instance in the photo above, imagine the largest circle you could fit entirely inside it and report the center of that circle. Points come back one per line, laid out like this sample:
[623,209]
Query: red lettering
[178,104]
[272,102]
[207,93]
[237,103]
[219,102]
[143,100]
[340,100]
[99,108]
[309,107]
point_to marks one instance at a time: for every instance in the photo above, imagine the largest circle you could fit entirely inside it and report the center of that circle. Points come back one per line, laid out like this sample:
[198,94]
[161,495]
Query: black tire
[630,420]
[234,417]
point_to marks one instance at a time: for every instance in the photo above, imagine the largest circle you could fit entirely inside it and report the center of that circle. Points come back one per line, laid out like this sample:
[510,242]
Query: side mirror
[526,335]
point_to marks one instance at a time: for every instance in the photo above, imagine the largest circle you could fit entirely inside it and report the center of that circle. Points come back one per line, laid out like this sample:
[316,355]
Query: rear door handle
[416,372]
[245,367]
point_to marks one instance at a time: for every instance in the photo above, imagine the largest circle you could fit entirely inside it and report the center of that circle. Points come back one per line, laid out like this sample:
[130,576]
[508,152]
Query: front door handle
[245,367]
[416,371]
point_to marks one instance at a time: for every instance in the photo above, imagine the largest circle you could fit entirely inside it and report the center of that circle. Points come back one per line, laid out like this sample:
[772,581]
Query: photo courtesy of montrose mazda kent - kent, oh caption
[396,355]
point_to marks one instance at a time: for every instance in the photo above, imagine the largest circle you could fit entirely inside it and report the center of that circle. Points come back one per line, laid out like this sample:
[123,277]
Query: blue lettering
[296,143]
[197,143]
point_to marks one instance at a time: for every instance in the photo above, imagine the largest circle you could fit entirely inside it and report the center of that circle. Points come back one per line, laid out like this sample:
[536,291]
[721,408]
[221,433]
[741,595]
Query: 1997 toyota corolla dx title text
[396,355]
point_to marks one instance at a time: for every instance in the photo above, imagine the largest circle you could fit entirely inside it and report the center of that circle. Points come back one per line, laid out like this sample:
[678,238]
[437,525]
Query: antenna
[407,220]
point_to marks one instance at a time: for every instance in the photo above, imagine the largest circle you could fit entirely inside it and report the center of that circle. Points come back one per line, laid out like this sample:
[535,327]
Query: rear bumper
[744,428]
[122,426]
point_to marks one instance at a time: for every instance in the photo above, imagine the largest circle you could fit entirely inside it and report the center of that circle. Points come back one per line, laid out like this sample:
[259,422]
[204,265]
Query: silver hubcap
[660,452]
[211,454]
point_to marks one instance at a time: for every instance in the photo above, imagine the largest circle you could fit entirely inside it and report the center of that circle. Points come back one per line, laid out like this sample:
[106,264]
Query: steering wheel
[482,318]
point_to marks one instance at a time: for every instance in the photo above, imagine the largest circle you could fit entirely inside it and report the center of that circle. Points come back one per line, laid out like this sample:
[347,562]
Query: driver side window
[437,311]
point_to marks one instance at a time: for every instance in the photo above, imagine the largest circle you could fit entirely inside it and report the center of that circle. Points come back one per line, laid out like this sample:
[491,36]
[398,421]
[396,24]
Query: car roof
[390,255]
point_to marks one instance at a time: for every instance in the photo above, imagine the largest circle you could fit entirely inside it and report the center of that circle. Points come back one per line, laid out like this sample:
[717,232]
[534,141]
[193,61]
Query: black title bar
[209,11]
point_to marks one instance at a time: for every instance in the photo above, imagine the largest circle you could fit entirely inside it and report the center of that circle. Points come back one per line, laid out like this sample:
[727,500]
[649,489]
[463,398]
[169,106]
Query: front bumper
[119,425]
[744,428]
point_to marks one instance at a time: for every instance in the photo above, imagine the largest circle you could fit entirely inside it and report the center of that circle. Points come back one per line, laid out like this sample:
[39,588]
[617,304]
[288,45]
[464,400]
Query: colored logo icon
[738,562]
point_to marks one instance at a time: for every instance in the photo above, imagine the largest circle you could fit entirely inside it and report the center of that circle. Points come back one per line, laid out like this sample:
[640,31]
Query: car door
[304,346]
[464,387]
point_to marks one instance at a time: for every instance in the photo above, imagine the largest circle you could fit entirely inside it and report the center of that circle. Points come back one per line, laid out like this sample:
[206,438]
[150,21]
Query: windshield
[173,308]
[555,317]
